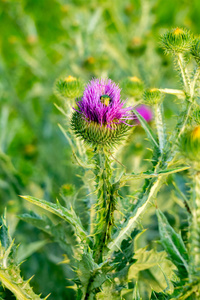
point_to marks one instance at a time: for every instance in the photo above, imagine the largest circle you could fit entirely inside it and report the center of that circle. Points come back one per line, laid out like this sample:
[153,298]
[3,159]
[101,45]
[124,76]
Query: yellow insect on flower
[105,99]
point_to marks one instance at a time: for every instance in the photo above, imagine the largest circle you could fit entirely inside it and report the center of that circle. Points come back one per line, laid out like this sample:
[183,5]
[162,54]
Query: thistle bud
[100,117]
[70,87]
[190,146]
[152,96]
[177,41]
[133,86]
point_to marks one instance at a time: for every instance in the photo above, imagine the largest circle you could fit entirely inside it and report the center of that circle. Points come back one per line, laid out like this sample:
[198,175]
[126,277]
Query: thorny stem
[160,125]
[184,73]
[194,82]
[88,292]
[186,116]
[105,204]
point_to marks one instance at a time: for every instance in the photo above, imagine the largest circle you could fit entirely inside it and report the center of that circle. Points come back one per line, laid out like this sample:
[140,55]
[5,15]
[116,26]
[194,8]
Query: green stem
[88,294]
[184,73]
[184,121]
[105,205]
[160,125]
[193,84]
[195,230]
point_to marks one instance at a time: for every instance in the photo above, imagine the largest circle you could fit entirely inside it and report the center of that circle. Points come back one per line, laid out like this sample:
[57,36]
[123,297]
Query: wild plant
[101,252]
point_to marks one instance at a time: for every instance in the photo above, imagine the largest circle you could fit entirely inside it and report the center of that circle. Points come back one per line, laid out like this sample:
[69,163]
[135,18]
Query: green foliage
[132,219]
[108,39]
[174,246]
[9,269]
[124,258]
[136,294]
[62,212]
[62,233]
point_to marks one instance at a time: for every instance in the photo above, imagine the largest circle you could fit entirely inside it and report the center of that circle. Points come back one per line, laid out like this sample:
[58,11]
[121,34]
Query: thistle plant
[103,253]
[101,121]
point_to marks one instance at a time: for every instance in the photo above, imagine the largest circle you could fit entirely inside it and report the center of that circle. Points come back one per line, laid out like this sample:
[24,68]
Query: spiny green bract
[96,134]
[152,96]
[177,41]
[70,87]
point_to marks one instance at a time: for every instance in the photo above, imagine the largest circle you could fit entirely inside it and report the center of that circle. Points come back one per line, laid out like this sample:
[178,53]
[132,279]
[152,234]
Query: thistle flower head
[101,117]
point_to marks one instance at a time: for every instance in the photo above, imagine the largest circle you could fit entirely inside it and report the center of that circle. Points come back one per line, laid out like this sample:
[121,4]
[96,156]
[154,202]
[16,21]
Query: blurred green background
[41,41]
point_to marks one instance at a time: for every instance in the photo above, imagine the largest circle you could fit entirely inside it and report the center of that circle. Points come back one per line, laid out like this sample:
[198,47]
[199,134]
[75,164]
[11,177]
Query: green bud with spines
[70,88]
[190,146]
[152,96]
[133,86]
[195,51]
[95,134]
[177,41]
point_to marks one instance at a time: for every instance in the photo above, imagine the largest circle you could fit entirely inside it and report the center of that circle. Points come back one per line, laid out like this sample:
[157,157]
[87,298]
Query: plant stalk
[160,125]
[184,73]
[105,205]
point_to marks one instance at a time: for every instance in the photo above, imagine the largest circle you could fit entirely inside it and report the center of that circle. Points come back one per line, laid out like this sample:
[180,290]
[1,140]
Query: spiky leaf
[62,212]
[173,244]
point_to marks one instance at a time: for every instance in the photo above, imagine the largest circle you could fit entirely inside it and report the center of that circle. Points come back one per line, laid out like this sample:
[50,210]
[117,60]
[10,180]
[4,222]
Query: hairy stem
[160,125]
[193,84]
[185,118]
[184,73]
[105,205]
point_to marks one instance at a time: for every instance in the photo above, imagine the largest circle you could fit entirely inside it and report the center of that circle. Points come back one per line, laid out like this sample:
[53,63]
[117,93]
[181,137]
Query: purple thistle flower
[101,103]
[145,112]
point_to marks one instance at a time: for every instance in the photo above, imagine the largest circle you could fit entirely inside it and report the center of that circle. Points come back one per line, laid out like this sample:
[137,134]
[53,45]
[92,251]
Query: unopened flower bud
[70,87]
[177,41]
[152,96]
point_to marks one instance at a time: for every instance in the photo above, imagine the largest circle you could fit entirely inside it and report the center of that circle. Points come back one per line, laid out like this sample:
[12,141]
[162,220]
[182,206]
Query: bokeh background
[40,41]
